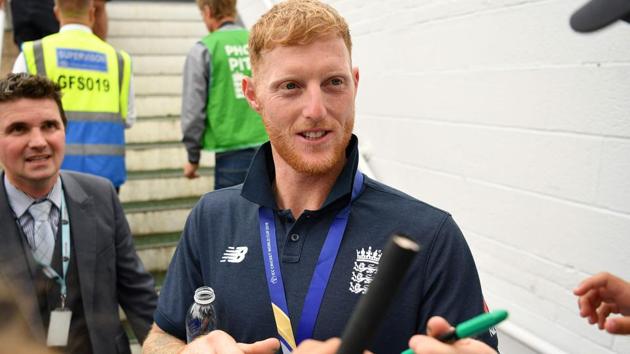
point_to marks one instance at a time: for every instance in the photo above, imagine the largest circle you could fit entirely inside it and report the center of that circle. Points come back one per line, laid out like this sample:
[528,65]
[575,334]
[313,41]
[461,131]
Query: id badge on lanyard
[59,325]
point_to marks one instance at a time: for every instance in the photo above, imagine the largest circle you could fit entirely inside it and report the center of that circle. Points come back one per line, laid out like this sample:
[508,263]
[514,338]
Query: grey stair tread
[158,205]
[161,84]
[166,173]
[146,75]
[156,28]
[152,105]
[161,219]
[148,10]
[147,156]
[157,145]
[138,45]
[156,240]
[158,63]
[164,185]
[154,95]
[154,130]
[157,258]
[157,118]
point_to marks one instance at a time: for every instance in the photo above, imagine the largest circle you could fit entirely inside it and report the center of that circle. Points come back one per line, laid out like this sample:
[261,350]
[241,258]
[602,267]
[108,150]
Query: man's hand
[601,295]
[311,346]
[190,170]
[219,342]
[429,345]
[215,342]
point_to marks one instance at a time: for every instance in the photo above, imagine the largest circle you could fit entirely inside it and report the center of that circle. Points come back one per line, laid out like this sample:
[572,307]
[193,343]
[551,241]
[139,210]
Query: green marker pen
[471,327]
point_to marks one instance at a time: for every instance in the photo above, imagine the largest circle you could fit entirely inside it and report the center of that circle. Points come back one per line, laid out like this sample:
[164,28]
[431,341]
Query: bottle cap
[204,295]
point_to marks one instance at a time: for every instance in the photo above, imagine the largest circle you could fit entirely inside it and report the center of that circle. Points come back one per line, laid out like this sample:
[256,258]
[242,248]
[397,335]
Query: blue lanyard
[320,278]
[65,254]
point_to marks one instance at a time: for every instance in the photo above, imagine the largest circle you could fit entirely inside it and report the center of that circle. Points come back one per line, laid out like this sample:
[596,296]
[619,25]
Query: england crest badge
[365,267]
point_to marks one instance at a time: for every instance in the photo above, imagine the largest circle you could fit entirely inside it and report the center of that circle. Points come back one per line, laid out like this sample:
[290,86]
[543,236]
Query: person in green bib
[215,114]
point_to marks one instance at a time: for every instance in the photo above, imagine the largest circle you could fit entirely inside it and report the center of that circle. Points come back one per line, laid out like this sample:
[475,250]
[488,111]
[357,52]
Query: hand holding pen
[440,333]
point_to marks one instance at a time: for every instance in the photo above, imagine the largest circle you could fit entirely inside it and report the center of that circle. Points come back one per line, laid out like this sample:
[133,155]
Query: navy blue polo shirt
[220,247]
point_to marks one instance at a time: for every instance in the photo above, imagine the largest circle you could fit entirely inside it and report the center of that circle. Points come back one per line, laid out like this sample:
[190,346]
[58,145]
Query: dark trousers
[231,167]
[32,20]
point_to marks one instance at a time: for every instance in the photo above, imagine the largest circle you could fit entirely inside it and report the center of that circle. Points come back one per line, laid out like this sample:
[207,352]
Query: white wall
[497,112]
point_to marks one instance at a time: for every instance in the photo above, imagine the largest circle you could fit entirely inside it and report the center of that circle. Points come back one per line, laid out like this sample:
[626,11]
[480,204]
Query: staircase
[156,197]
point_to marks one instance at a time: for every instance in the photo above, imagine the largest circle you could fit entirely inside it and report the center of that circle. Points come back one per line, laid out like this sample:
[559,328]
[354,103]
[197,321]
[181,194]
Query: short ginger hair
[296,22]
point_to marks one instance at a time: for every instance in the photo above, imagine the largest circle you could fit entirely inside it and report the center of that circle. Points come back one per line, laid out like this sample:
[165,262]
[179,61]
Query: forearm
[160,342]
[196,78]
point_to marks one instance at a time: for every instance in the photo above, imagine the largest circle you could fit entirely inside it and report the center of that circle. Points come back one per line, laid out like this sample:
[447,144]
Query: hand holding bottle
[219,342]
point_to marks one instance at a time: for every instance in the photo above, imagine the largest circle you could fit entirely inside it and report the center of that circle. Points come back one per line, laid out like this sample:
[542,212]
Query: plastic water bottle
[201,317]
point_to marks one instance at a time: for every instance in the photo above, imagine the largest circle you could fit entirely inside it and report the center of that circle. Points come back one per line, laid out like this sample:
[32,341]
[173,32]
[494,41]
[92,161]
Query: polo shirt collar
[257,186]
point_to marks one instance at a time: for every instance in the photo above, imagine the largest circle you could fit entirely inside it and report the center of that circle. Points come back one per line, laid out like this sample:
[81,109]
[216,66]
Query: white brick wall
[499,113]
[496,111]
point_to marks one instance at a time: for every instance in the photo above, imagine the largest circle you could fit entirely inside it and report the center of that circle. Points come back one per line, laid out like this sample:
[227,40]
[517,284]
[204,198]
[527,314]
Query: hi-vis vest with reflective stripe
[94,79]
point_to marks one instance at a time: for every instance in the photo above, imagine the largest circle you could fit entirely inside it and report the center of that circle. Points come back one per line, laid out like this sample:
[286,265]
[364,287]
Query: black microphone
[372,306]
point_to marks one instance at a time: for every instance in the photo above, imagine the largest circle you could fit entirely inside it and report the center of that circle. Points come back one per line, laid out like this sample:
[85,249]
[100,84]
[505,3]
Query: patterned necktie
[43,240]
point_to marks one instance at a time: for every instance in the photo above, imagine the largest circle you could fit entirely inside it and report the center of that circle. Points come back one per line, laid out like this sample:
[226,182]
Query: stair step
[151,45]
[156,250]
[158,84]
[161,156]
[156,129]
[152,10]
[166,173]
[157,28]
[143,242]
[163,216]
[158,64]
[157,258]
[158,185]
[158,105]
[159,205]
[156,198]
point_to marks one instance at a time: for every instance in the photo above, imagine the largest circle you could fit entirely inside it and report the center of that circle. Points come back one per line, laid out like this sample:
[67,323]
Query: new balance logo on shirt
[234,254]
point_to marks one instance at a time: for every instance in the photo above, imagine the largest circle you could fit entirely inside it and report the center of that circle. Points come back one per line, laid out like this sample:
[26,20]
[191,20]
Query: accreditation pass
[59,327]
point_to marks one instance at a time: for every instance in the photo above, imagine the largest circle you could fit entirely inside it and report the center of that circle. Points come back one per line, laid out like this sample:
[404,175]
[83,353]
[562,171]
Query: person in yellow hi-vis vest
[97,90]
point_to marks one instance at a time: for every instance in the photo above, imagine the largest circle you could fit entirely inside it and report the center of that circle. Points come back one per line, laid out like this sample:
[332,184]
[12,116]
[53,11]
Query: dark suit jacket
[110,272]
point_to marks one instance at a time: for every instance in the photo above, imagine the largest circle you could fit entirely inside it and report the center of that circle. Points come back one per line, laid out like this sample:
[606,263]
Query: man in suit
[78,255]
